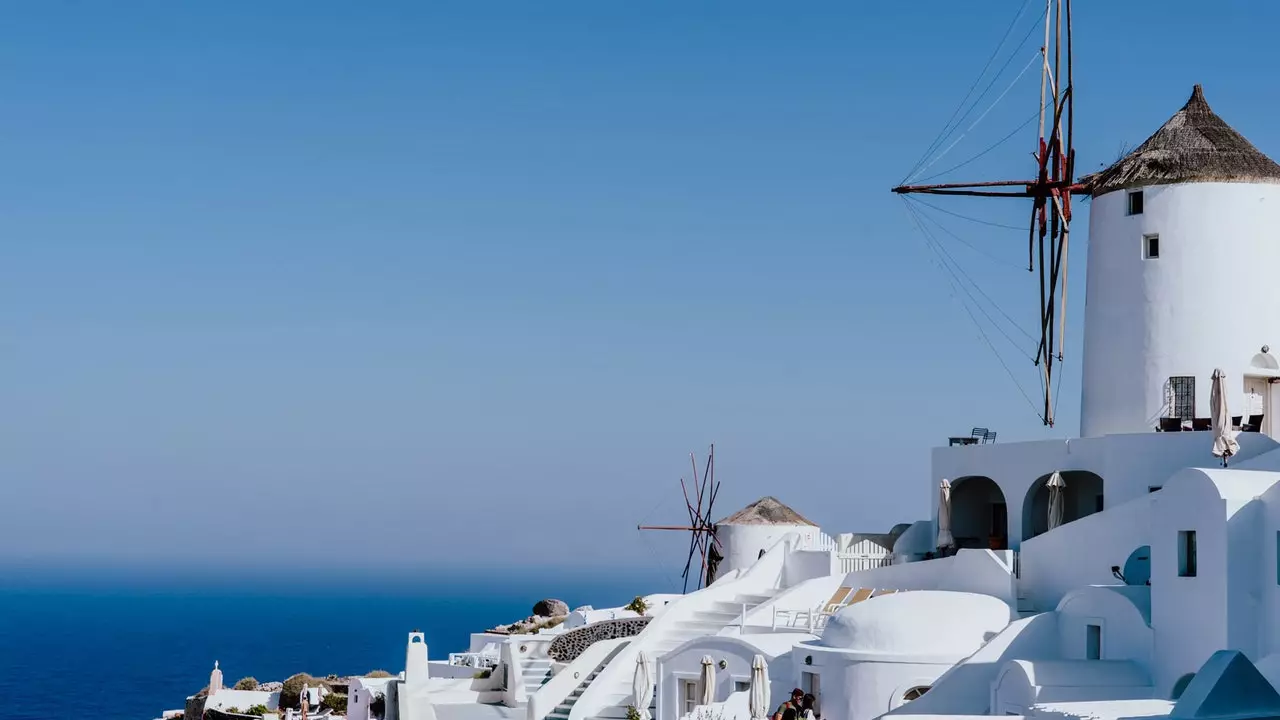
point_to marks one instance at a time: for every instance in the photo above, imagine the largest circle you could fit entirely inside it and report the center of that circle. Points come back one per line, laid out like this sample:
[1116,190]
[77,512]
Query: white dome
[919,622]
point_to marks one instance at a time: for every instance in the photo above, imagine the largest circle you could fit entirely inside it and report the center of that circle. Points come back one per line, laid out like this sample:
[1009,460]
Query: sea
[128,645]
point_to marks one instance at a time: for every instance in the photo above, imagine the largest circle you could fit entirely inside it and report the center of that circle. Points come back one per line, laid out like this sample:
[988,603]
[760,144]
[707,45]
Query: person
[808,711]
[789,714]
[793,705]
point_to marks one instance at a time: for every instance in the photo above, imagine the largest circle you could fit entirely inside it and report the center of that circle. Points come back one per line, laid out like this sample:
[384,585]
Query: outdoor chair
[1236,421]
[1200,424]
[1254,424]
[990,437]
[793,617]
[1170,424]
[884,591]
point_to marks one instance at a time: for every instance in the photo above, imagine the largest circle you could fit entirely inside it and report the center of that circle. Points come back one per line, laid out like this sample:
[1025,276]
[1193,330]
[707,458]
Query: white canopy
[1224,440]
[944,514]
[642,686]
[759,700]
[708,680]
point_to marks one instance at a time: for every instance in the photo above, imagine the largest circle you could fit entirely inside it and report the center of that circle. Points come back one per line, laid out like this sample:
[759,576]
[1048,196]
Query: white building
[1154,594]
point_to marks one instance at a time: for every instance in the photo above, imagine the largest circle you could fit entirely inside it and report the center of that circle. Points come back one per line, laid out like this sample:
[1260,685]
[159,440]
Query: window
[1153,488]
[741,686]
[1135,202]
[1180,686]
[688,695]
[914,693]
[1186,553]
[1182,397]
[1092,642]
[1097,503]
[1150,247]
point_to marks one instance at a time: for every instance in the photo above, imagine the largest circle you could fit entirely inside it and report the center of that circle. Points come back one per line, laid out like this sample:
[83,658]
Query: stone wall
[570,645]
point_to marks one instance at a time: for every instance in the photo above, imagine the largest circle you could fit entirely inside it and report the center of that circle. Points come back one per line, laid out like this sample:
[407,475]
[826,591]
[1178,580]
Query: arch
[1137,569]
[1264,361]
[979,513]
[1082,496]
[908,691]
[1180,686]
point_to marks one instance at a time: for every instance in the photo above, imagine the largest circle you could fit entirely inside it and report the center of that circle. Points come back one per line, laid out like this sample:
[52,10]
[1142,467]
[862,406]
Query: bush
[378,674]
[632,713]
[337,702]
[378,708]
[258,710]
[232,710]
[291,692]
[245,683]
[482,675]
[638,606]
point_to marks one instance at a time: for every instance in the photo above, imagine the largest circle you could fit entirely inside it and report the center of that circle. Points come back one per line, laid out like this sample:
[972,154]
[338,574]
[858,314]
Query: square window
[1150,246]
[1152,488]
[1135,203]
[1092,642]
[1186,553]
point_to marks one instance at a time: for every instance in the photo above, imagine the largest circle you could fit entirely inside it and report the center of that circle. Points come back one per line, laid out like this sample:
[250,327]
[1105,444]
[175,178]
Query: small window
[1187,553]
[1153,488]
[741,686]
[914,693]
[1092,642]
[689,695]
[1182,397]
[1151,246]
[1135,203]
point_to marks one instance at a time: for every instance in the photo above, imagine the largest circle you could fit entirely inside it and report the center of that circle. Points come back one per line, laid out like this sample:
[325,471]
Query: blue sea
[128,646]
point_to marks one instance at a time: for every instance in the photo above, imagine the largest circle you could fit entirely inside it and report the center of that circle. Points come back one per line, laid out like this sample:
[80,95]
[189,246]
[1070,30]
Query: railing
[855,562]
[474,659]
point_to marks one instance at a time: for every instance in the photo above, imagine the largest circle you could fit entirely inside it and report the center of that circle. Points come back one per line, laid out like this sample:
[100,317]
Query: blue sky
[424,284]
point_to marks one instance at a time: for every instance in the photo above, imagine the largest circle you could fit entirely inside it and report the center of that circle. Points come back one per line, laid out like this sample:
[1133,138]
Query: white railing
[474,659]
[855,562]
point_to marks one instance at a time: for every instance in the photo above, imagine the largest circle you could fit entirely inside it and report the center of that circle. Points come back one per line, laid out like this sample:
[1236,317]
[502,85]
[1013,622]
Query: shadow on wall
[1082,496]
[965,689]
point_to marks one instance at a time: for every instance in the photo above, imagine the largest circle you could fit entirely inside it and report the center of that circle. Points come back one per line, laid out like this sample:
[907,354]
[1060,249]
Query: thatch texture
[1195,145]
[766,511]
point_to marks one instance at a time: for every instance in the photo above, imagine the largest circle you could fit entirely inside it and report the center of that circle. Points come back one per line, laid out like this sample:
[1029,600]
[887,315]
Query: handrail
[574,674]
[769,566]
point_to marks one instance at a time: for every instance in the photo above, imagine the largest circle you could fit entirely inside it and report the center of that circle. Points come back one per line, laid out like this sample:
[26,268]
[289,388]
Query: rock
[551,608]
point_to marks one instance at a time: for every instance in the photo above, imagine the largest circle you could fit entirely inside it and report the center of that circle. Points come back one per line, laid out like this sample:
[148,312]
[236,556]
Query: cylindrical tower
[1184,236]
[744,535]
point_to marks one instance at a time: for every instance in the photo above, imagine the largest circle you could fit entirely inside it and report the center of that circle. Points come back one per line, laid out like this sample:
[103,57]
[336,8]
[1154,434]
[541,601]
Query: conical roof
[1195,145]
[766,511]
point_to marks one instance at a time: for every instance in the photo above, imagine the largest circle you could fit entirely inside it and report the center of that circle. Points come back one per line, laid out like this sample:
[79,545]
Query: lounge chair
[793,617]
[884,591]
[853,599]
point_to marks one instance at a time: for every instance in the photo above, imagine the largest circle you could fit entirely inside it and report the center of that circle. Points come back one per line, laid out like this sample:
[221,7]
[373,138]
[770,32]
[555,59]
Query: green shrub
[632,713]
[337,702]
[638,606]
[245,683]
[482,674]
[291,692]
[378,674]
[233,710]
[258,710]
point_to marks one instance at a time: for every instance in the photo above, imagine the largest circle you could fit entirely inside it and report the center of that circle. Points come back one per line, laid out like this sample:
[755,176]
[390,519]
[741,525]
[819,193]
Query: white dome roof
[919,622]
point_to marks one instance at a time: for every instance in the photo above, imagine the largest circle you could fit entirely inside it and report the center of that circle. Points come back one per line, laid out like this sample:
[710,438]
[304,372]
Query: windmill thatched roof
[1195,145]
[766,511]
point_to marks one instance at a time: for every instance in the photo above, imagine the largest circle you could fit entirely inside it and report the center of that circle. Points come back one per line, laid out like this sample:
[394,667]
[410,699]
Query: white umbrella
[944,515]
[642,685]
[1224,441]
[1056,486]
[708,680]
[759,700]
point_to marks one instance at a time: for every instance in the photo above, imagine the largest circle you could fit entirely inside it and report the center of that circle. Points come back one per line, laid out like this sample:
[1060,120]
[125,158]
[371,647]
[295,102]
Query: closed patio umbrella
[708,680]
[1056,487]
[759,700]
[944,514]
[642,685]
[1224,440]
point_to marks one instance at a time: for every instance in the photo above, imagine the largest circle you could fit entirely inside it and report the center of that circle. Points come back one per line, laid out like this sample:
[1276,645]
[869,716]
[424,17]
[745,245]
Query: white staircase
[561,711]
[700,623]
[536,672]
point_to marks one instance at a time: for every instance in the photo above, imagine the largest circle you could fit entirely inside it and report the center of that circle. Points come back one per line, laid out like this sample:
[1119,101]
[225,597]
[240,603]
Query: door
[1257,401]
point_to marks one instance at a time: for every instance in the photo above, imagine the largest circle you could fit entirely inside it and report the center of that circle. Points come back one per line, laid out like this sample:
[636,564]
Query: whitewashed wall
[742,544]
[1125,633]
[1147,320]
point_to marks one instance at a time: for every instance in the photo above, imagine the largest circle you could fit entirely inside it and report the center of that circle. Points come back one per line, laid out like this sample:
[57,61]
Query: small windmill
[701,528]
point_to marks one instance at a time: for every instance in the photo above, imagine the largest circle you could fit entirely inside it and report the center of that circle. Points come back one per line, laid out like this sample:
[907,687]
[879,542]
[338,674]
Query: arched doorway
[979,514]
[1082,496]
[1137,569]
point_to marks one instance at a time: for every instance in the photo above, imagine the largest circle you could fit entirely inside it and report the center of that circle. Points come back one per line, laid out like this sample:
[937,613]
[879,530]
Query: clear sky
[420,283]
